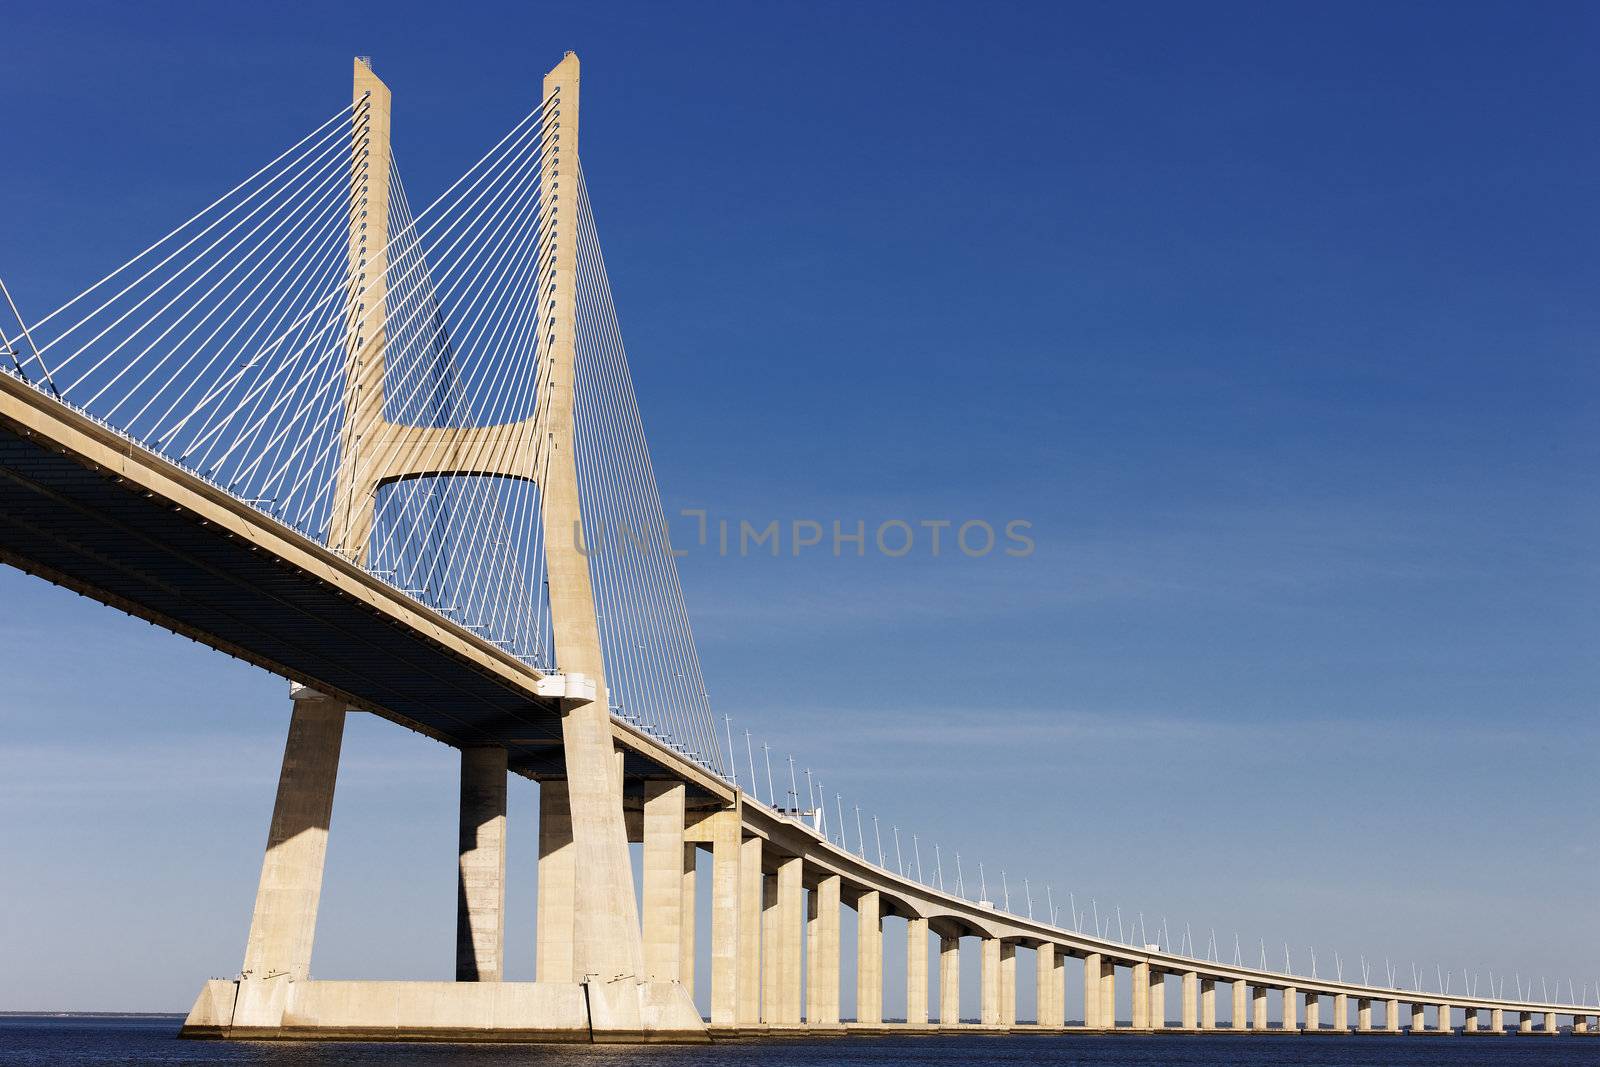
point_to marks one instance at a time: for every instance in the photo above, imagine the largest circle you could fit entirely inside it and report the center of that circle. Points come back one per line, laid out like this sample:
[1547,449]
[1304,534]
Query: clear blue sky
[1276,321]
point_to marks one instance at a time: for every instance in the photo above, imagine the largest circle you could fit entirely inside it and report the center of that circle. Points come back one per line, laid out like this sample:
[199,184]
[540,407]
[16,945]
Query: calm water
[30,1040]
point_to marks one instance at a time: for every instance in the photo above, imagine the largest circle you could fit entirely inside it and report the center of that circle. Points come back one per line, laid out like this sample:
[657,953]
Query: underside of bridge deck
[77,523]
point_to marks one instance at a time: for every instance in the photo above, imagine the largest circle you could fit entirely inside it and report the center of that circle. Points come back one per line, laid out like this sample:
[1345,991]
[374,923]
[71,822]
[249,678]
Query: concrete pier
[917,972]
[869,959]
[949,981]
[481,868]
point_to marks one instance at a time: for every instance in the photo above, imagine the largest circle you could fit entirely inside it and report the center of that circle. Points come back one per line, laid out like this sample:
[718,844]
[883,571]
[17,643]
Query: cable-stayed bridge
[395,456]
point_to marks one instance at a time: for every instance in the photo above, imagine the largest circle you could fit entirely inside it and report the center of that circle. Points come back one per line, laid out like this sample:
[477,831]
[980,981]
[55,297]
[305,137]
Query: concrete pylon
[1241,1020]
[481,878]
[284,921]
[1291,1008]
[1190,1017]
[1049,1009]
[558,876]
[1091,990]
[1208,1003]
[752,953]
[917,972]
[663,879]
[949,981]
[869,958]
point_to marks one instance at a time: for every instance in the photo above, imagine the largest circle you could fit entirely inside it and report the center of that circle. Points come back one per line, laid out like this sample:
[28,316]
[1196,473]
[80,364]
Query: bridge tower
[588,920]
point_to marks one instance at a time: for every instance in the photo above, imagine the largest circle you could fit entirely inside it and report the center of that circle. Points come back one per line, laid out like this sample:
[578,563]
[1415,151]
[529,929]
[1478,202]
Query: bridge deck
[84,508]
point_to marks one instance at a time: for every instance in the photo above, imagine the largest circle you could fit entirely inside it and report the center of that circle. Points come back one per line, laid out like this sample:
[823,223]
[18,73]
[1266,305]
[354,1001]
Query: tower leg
[481,881]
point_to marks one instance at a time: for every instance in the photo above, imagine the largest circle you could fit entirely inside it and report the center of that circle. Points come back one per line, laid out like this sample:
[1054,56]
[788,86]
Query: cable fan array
[228,347]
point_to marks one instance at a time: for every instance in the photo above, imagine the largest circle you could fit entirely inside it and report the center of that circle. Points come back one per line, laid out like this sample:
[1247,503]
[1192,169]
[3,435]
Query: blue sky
[1276,322]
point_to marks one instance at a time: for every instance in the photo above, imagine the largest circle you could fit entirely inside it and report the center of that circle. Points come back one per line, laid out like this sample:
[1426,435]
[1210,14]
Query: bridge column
[1191,1000]
[1469,1023]
[1391,1016]
[1291,1008]
[554,906]
[1158,999]
[1048,995]
[664,882]
[917,972]
[780,992]
[869,958]
[1091,990]
[1238,1020]
[949,981]
[1341,1012]
[1208,1003]
[1008,984]
[1580,1024]
[989,981]
[1549,1022]
[1418,1020]
[687,910]
[1108,994]
[1364,1015]
[1443,1019]
[283,924]
[751,953]
[822,979]
[1141,996]
[1497,1020]
[481,866]
[1525,1022]
[1258,1004]
[727,858]
[1313,1011]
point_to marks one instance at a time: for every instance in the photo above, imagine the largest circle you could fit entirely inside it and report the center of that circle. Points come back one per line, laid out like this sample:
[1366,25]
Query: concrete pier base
[452,1011]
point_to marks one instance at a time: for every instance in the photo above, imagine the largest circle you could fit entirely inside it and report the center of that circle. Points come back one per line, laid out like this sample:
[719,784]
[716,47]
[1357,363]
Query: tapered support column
[823,979]
[727,882]
[989,982]
[1419,1022]
[663,879]
[1190,1018]
[1291,1008]
[780,988]
[1341,1012]
[1391,1016]
[917,972]
[1241,1018]
[1049,1009]
[1091,990]
[1313,1011]
[1208,1004]
[481,868]
[949,981]
[751,950]
[1497,1020]
[1141,996]
[553,906]
[1008,984]
[690,858]
[1364,1015]
[869,958]
[284,922]
[1258,1006]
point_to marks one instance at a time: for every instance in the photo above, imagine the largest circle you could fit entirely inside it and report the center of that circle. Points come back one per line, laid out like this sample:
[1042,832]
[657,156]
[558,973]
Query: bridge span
[291,459]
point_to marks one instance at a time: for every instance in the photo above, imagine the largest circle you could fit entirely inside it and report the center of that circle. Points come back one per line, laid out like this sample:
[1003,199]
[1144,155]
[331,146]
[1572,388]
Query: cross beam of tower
[373,450]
